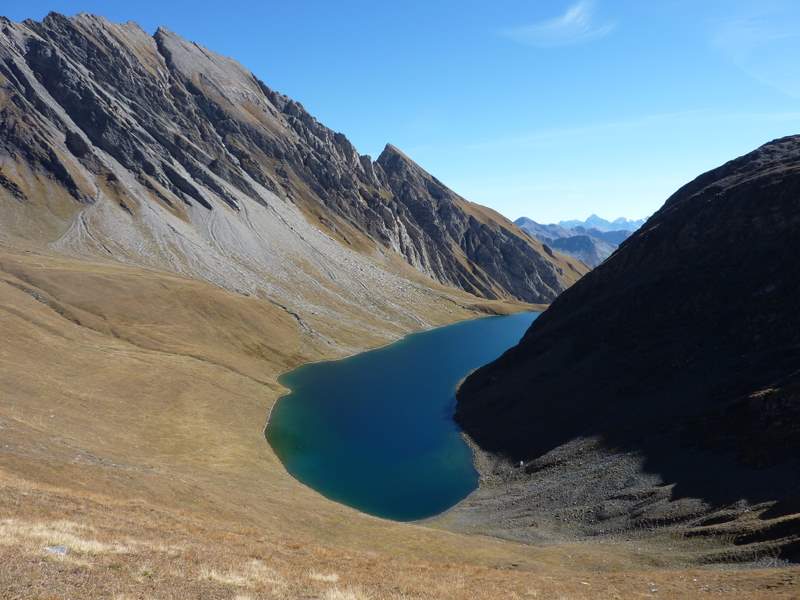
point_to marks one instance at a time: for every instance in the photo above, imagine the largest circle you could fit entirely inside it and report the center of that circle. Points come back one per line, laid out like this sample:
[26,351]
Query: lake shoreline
[482,312]
[338,426]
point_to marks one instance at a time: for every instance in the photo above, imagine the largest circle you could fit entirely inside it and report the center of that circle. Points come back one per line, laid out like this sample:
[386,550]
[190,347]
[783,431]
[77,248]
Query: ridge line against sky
[552,110]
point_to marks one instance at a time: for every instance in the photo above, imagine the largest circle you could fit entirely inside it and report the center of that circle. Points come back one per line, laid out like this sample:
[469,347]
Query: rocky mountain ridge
[136,139]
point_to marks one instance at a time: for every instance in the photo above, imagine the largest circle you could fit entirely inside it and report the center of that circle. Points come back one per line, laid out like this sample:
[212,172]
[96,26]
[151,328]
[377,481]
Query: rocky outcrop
[485,254]
[107,113]
[680,357]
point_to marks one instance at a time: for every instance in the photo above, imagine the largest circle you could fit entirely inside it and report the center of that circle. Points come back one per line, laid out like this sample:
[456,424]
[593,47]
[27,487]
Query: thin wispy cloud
[617,127]
[765,46]
[576,26]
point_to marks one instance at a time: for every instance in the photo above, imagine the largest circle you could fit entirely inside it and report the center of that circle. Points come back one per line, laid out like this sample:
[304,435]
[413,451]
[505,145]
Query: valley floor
[132,406]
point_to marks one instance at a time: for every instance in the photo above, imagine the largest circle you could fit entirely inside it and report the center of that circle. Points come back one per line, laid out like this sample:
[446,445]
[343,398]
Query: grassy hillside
[132,405]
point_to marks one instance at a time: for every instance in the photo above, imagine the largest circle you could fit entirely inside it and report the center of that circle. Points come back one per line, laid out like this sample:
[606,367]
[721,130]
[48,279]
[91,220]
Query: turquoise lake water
[375,431]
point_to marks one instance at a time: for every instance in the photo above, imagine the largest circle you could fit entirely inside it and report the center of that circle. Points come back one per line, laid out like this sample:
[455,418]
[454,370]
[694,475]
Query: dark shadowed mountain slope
[98,113]
[683,349]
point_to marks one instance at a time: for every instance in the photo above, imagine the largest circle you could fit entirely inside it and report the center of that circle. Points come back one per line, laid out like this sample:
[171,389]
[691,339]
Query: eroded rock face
[683,349]
[485,255]
[86,103]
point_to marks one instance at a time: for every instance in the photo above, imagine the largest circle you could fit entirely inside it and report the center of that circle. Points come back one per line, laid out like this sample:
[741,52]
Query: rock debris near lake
[662,392]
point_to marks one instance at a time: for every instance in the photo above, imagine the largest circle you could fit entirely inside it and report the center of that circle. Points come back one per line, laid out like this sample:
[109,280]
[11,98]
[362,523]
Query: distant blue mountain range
[601,224]
[591,241]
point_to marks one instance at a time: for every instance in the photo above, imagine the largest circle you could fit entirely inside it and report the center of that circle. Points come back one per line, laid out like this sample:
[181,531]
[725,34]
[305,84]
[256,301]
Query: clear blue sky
[550,109]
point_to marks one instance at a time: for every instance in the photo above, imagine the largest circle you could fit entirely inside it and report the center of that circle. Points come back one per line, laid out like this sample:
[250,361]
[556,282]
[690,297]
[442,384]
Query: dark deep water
[375,431]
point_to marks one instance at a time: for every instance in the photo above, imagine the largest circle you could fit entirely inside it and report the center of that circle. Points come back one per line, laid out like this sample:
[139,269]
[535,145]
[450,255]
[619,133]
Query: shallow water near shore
[375,431]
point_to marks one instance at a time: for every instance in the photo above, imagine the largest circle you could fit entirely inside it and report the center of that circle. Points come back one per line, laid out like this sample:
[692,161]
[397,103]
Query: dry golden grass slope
[132,406]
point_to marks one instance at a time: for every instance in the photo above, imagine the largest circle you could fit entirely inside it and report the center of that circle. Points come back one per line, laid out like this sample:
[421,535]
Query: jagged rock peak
[390,151]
